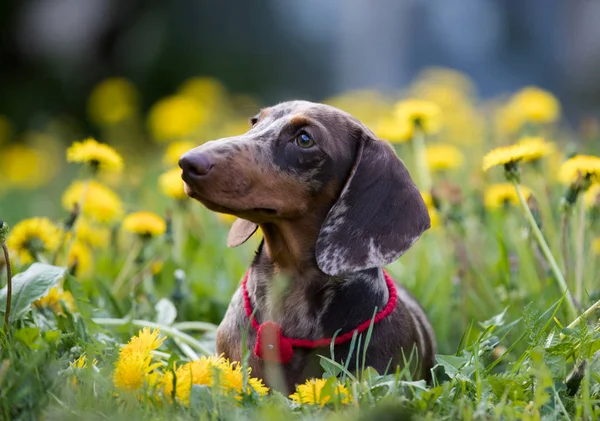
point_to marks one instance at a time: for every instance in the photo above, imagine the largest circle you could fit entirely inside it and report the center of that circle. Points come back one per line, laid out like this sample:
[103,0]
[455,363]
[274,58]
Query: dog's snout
[196,164]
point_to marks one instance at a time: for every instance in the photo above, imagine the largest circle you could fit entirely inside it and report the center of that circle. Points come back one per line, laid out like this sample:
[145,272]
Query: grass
[510,344]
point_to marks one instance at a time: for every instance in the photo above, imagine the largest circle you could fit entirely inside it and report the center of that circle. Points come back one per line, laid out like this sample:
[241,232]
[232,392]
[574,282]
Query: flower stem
[565,244]
[129,262]
[421,160]
[547,253]
[579,255]
[8,287]
[174,333]
[585,314]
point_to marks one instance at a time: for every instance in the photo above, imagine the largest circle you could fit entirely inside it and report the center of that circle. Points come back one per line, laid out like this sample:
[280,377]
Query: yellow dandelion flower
[441,157]
[96,155]
[591,197]
[99,204]
[112,101]
[144,223]
[80,364]
[205,371]
[53,300]
[536,147]
[421,114]
[25,167]
[90,234]
[585,166]
[134,368]
[535,105]
[503,194]
[258,386]
[390,129]
[175,150]
[311,393]
[175,117]
[232,379]
[510,155]
[596,245]
[80,258]
[33,236]
[171,184]
[215,372]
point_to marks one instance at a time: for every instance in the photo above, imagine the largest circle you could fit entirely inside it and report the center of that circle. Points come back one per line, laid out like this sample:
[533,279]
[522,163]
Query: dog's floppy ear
[240,231]
[378,216]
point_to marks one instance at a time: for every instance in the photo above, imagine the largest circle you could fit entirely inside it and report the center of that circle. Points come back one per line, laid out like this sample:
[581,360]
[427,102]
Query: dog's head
[301,158]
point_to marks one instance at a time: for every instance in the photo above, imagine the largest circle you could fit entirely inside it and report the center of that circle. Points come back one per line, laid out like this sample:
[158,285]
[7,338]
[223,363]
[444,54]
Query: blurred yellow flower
[80,258]
[145,224]
[367,105]
[100,203]
[311,393]
[90,234]
[421,114]
[226,218]
[503,194]
[112,101]
[171,184]
[535,105]
[175,150]
[442,157]
[591,197]
[25,167]
[585,166]
[596,245]
[395,131]
[5,129]
[175,117]
[31,237]
[96,155]
[216,372]
[520,152]
[54,298]
[82,362]
[433,213]
[205,90]
[134,368]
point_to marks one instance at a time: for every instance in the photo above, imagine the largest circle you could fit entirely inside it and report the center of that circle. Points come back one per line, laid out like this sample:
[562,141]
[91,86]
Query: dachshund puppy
[334,205]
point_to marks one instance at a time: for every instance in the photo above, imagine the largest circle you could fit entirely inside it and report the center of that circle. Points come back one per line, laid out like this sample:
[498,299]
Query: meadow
[118,281]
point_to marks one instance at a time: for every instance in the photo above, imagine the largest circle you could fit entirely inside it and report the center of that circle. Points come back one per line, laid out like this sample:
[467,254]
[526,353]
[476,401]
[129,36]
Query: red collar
[279,348]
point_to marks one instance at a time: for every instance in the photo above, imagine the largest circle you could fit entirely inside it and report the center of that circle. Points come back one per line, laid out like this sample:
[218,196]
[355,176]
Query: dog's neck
[287,286]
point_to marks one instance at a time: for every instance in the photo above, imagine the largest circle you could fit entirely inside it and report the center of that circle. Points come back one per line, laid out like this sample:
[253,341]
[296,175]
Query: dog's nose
[196,164]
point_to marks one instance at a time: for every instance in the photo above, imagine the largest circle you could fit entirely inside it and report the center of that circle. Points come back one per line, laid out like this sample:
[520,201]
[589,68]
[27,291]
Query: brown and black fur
[332,215]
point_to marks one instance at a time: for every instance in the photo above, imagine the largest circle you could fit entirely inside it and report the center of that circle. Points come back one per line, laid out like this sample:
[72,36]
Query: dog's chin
[253,214]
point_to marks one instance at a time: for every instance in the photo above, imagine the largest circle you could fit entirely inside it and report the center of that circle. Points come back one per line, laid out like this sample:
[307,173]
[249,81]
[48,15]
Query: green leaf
[456,367]
[497,320]
[29,286]
[27,336]
[201,398]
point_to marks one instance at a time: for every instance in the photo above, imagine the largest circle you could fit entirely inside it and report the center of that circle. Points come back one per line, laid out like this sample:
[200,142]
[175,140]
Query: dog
[334,204]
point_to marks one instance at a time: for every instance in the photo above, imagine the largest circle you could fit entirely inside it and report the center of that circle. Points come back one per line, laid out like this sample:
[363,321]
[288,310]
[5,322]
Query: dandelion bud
[3,231]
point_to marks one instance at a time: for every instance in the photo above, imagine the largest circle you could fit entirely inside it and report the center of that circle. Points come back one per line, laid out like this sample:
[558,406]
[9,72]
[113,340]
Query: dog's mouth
[218,207]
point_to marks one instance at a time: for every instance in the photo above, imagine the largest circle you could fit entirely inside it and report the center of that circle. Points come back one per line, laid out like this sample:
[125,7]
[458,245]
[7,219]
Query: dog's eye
[304,141]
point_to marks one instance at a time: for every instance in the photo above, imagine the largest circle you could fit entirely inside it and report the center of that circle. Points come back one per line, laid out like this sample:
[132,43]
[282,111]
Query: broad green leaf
[27,336]
[29,286]
[166,313]
[456,367]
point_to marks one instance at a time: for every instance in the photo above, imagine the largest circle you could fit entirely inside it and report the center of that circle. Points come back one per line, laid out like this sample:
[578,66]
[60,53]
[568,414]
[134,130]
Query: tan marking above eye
[299,120]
